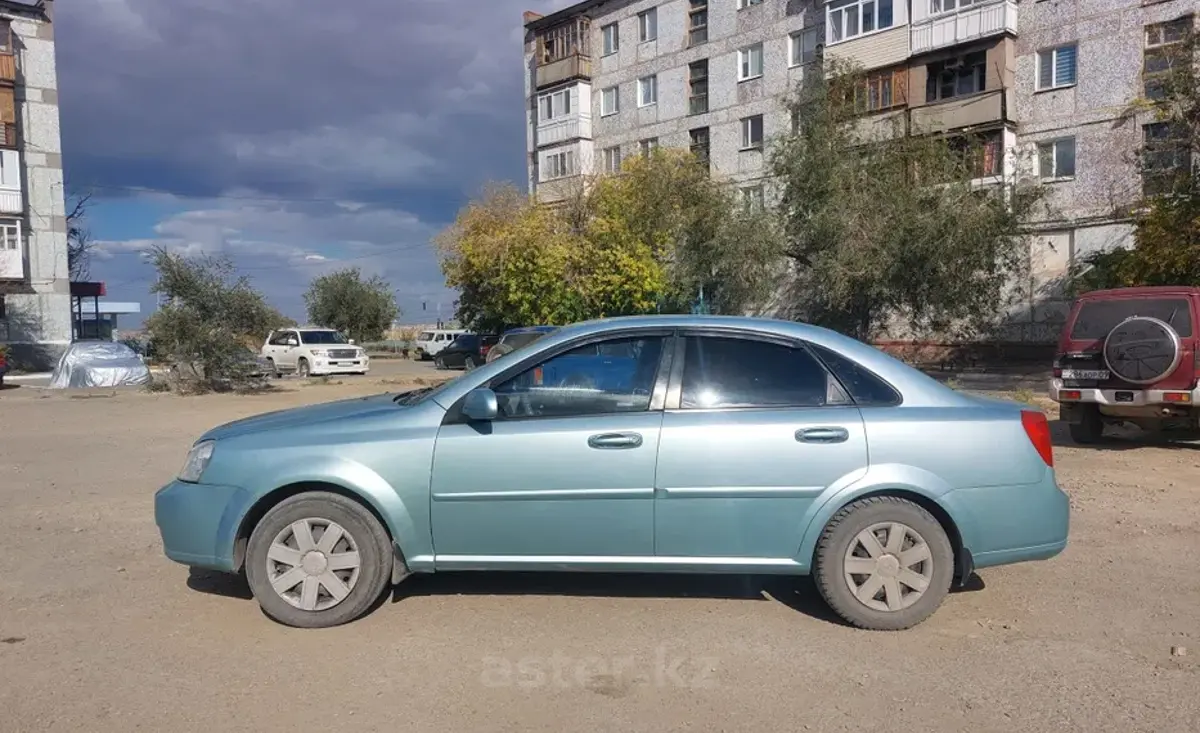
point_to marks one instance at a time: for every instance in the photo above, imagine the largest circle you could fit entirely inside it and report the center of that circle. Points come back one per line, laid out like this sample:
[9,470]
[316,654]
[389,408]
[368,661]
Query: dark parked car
[518,338]
[467,351]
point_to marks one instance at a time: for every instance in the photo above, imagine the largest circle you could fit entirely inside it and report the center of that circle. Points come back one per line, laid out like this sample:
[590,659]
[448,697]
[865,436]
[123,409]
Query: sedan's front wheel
[318,559]
[884,563]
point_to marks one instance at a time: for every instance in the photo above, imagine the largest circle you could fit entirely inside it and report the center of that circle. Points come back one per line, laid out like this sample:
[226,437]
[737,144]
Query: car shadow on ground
[796,592]
[1117,439]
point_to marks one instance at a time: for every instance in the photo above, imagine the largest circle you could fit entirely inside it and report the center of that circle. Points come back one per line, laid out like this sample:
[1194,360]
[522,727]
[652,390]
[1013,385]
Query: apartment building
[1040,87]
[35,295]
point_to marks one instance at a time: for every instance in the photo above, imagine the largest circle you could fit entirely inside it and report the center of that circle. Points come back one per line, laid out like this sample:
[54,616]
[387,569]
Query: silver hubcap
[888,566]
[313,564]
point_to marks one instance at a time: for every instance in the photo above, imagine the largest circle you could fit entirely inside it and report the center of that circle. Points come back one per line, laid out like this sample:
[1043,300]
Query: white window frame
[837,13]
[558,103]
[747,125]
[746,57]
[1050,55]
[605,109]
[796,46]
[937,7]
[10,235]
[647,83]
[743,4]
[753,197]
[1048,149]
[648,25]
[612,159]
[610,36]
[559,165]
[647,146]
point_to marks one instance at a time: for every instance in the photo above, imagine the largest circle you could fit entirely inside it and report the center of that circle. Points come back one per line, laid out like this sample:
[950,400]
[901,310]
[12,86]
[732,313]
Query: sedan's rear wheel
[884,563]
[318,559]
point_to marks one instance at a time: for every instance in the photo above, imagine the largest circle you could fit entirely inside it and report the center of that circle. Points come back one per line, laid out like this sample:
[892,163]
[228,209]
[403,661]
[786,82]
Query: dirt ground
[100,632]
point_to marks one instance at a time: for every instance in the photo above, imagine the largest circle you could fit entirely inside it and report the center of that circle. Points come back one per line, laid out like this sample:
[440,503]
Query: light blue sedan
[659,444]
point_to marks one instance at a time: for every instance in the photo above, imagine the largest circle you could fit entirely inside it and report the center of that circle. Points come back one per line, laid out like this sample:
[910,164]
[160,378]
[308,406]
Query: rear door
[755,429]
[1081,361]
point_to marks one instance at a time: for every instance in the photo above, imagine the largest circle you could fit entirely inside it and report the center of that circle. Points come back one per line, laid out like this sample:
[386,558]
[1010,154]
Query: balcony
[8,68]
[563,53]
[983,108]
[11,200]
[972,22]
[560,130]
[8,135]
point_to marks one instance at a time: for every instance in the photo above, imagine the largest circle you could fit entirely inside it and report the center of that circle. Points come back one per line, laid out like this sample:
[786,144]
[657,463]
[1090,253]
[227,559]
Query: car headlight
[197,460]
[317,352]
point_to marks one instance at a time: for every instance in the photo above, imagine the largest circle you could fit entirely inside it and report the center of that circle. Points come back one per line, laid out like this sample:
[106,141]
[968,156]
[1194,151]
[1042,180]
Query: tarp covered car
[99,364]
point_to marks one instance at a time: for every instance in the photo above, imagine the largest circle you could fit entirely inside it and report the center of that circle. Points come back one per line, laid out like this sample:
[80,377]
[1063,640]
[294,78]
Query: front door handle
[822,435]
[615,440]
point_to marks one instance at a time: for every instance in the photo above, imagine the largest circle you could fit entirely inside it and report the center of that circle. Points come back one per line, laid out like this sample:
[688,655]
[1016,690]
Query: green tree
[362,309]
[1166,247]
[208,319]
[884,224]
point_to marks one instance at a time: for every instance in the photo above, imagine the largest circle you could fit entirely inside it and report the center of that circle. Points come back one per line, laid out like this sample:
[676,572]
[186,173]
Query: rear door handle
[822,435]
[615,440]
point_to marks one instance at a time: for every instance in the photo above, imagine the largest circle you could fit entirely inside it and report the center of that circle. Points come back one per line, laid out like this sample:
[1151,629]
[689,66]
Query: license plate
[1097,375]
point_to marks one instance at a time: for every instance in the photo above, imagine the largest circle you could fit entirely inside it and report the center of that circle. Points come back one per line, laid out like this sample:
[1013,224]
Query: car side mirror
[293,342]
[480,405]
[351,342]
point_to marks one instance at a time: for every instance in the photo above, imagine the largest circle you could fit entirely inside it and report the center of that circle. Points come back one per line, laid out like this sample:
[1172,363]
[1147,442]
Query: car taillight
[1038,429]
[483,350]
[1058,360]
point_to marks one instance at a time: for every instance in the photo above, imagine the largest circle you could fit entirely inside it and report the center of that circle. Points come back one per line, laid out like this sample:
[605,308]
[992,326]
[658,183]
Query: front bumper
[325,365]
[197,523]
[1128,397]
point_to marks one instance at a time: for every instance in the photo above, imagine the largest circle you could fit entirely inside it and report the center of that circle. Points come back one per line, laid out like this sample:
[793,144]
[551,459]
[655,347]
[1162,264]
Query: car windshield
[322,337]
[1098,317]
[425,336]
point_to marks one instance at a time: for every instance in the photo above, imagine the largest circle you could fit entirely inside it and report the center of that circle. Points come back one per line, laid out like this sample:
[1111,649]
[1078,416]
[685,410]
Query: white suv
[429,343]
[314,351]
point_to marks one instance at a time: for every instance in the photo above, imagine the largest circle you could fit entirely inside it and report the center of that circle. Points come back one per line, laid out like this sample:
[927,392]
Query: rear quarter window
[1096,318]
[865,387]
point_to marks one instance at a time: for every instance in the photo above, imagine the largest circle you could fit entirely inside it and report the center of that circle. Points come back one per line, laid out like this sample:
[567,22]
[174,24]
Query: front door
[567,470]
[754,431]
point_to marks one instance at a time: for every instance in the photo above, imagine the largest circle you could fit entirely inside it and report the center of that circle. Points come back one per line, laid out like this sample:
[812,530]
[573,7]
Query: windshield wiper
[407,398]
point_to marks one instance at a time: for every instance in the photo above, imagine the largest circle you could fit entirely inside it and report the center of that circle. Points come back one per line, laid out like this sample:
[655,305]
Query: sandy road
[99,632]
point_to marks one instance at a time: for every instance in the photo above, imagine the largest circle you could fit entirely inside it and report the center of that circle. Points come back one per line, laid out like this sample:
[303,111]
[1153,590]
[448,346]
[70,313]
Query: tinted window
[1097,317]
[521,340]
[321,337]
[585,381]
[728,372]
[865,387]
[465,342]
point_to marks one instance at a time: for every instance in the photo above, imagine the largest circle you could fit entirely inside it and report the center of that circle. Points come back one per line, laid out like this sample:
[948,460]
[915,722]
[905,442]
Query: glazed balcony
[934,27]
[563,53]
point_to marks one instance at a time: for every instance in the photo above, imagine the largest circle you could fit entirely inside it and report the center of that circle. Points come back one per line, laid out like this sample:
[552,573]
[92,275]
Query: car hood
[307,416]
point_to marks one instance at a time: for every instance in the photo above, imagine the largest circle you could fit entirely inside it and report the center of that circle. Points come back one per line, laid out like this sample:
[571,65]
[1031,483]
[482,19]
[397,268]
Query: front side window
[750,62]
[1056,67]
[1056,158]
[846,19]
[609,377]
[611,39]
[738,373]
[647,91]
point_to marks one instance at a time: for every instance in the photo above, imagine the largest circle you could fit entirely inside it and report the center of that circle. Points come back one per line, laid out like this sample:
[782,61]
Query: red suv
[1130,355]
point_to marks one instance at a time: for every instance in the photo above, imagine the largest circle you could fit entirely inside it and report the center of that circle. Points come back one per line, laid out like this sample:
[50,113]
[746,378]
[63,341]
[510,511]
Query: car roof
[532,329]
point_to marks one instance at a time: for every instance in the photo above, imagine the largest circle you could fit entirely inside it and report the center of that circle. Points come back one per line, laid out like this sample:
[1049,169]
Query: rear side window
[865,388]
[521,340]
[731,372]
[1097,317]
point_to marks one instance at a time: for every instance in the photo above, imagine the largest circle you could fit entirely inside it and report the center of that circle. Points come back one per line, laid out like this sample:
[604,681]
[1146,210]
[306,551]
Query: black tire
[1090,428]
[439,363]
[830,558]
[275,374]
[302,368]
[374,548]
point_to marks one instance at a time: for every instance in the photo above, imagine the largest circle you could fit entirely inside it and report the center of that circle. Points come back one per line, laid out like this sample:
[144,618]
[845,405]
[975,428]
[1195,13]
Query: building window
[647,146]
[648,25]
[612,39]
[743,4]
[750,62]
[559,165]
[881,90]
[697,22]
[1160,53]
[1056,67]
[612,159]
[981,154]
[647,91]
[699,143]
[610,101]
[946,6]
[804,46]
[752,132]
[1056,158]
[752,198]
[956,77]
[10,235]
[698,87]
[554,105]
[1166,157]
[847,19]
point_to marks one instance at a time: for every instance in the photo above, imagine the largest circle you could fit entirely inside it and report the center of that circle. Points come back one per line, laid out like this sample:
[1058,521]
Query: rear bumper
[1129,397]
[1001,525]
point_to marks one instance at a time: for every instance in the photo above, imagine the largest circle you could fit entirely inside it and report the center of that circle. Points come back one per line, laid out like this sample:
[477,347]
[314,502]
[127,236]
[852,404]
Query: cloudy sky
[294,136]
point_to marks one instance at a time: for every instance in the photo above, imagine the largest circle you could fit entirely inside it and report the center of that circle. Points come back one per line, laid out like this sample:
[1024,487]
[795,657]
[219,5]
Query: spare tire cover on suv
[1142,350]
